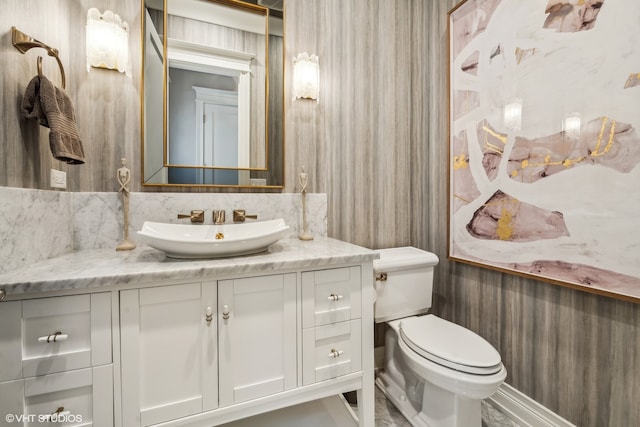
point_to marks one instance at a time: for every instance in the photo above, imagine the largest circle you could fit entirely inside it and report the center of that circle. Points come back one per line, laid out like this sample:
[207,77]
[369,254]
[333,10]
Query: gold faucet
[218,217]
[239,215]
[195,216]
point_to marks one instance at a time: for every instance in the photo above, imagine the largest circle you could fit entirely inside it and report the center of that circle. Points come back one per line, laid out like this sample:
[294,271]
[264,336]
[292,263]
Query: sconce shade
[107,41]
[306,76]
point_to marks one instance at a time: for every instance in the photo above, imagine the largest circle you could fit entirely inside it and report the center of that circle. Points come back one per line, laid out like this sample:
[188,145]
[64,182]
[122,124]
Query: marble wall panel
[40,224]
[34,225]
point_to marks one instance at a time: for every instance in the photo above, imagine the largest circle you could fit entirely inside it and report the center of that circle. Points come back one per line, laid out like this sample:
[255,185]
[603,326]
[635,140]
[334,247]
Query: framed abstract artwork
[544,140]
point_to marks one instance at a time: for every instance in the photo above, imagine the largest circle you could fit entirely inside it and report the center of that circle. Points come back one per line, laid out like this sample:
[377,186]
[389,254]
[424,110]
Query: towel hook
[23,43]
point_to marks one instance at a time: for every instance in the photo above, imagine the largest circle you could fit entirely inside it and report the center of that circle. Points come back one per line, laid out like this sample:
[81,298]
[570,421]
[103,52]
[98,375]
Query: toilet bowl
[435,372]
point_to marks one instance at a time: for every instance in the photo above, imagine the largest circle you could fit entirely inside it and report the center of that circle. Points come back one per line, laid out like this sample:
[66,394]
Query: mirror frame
[239,4]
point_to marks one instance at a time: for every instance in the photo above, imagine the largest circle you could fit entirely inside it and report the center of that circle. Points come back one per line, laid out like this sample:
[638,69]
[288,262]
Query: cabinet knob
[54,337]
[225,312]
[335,353]
[334,297]
[59,415]
[208,316]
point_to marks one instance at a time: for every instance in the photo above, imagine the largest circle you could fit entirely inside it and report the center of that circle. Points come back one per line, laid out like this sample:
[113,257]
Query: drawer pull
[59,415]
[335,353]
[55,337]
[382,277]
[225,312]
[334,297]
[3,294]
[208,315]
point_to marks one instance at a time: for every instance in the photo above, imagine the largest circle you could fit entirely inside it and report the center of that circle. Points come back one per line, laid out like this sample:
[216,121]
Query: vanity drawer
[82,397]
[331,351]
[330,296]
[56,334]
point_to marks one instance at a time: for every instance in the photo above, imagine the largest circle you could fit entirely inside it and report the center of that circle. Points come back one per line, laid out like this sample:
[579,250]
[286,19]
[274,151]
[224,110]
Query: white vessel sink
[212,241]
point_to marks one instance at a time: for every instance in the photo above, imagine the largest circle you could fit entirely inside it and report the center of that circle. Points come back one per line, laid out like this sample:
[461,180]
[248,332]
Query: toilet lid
[450,345]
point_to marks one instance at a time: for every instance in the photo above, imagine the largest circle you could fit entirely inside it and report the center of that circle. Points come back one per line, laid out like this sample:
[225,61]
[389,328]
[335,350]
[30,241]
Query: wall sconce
[513,114]
[107,41]
[306,76]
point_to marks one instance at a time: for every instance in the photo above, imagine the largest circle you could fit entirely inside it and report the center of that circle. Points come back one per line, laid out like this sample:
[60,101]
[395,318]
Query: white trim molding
[524,410]
[208,59]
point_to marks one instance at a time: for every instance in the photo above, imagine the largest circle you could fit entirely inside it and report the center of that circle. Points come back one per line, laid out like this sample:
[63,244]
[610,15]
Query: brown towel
[53,109]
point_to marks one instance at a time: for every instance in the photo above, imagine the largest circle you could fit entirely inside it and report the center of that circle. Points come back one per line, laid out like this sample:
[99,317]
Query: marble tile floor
[388,416]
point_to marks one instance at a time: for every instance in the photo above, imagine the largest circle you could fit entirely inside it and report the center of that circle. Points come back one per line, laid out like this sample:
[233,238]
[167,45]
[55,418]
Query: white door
[169,354]
[257,337]
[220,139]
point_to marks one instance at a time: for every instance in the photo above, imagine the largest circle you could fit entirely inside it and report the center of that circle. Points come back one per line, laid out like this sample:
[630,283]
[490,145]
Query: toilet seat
[450,345]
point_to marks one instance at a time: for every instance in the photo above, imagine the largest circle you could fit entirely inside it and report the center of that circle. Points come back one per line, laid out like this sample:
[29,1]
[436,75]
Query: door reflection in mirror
[209,103]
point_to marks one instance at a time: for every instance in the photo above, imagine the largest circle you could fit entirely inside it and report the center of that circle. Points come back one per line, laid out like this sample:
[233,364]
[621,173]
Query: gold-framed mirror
[212,98]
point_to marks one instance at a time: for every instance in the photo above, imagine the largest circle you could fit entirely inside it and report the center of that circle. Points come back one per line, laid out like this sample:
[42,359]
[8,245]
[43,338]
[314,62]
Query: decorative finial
[124,178]
[303,179]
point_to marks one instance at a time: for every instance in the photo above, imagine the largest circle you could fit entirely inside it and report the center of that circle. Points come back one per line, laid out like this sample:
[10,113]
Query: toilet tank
[403,282]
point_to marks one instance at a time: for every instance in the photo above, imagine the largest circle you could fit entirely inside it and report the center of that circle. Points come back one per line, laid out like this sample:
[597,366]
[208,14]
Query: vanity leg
[366,402]
[366,395]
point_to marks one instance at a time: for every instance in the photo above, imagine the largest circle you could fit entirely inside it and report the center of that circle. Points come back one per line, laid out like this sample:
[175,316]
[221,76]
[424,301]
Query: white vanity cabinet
[132,339]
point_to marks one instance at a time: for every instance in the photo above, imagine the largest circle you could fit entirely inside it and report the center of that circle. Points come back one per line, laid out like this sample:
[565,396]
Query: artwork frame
[544,141]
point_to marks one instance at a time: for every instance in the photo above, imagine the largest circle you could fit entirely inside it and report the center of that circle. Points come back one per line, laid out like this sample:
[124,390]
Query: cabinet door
[257,337]
[169,357]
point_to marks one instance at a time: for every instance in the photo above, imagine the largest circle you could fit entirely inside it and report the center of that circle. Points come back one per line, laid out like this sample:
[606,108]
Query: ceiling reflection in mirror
[218,68]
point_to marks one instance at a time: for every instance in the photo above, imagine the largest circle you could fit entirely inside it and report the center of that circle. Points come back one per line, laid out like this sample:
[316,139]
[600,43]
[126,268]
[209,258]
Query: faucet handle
[239,215]
[195,216]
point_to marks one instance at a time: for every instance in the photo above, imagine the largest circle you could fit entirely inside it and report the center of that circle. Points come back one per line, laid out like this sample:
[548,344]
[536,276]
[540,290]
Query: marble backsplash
[99,218]
[40,224]
[34,225]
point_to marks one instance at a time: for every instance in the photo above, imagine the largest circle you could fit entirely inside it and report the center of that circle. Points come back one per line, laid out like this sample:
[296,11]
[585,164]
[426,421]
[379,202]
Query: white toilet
[435,372]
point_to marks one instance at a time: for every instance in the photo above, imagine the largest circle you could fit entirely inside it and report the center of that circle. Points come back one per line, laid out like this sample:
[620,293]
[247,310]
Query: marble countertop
[105,268]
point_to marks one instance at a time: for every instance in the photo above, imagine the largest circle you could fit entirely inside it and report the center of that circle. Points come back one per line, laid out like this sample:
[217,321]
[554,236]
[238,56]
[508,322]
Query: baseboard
[524,410]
